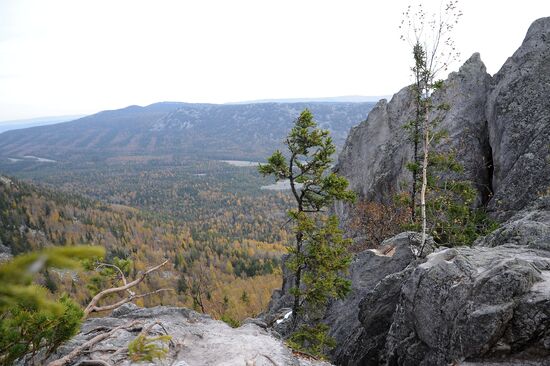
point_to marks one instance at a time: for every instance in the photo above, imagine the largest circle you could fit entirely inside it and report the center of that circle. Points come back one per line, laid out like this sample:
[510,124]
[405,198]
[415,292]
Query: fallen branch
[92,306]
[89,344]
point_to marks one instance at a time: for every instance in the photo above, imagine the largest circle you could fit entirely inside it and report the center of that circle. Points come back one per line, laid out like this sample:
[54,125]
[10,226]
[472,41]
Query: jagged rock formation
[488,304]
[518,112]
[376,152]
[197,339]
[368,270]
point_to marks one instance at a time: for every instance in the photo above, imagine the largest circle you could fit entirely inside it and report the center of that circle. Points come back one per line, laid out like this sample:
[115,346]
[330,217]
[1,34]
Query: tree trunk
[424,181]
[297,283]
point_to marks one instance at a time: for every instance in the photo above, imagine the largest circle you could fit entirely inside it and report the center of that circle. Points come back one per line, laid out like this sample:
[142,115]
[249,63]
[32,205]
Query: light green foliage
[31,321]
[27,331]
[233,323]
[147,349]
[313,340]
[16,276]
[318,257]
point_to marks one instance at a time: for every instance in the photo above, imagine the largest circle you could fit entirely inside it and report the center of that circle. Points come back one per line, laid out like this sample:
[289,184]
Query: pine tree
[318,257]
[30,320]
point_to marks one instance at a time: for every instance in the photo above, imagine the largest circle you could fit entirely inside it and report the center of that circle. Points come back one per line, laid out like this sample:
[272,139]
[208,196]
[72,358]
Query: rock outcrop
[377,151]
[366,271]
[196,340]
[481,305]
[488,302]
[518,112]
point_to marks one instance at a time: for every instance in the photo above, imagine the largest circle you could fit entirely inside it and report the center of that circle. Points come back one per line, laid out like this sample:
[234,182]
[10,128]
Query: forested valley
[222,234]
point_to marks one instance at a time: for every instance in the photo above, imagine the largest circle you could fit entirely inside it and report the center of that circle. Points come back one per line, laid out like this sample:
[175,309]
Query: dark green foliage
[325,257]
[453,220]
[318,257]
[313,340]
[244,297]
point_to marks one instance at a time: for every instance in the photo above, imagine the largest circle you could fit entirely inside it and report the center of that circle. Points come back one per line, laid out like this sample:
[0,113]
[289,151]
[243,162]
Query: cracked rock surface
[196,340]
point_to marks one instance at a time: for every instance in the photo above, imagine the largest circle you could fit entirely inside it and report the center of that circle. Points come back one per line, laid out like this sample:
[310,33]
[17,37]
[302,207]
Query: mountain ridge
[179,129]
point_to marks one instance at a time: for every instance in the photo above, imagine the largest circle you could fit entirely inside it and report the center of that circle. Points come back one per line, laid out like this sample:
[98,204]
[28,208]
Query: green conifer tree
[318,258]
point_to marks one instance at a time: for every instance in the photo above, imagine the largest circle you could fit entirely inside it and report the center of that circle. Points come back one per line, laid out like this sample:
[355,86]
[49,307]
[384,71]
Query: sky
[61,57]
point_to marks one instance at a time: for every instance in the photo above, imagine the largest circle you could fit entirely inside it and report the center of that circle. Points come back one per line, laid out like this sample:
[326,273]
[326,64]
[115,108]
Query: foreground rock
[196,340]
[490,302]
[367,270]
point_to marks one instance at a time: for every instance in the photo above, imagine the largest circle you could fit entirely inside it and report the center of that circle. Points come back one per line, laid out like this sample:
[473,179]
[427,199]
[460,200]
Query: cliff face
[376,151]
[478,305]
[498,127]
[518,112]
[485,302]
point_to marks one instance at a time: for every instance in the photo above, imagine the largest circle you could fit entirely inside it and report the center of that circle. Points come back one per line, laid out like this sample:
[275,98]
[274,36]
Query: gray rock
[465,92]
[255,321]
[530,228]
[376,151]
[484,304]
[519,123]
[366,271]
[196,340]
[5,253]
[473,303]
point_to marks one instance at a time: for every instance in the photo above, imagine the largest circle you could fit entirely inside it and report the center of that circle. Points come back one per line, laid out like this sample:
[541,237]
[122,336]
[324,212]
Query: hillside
[33,218]
[178,130]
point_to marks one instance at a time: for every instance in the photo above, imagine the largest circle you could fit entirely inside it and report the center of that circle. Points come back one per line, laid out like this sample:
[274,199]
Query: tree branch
[92,306]
[122,276]
[132,297]
[67,359]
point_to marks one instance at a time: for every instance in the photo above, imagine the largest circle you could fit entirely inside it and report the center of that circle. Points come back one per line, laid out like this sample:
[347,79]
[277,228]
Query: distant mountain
[32,122]
[341,99]
[179,130]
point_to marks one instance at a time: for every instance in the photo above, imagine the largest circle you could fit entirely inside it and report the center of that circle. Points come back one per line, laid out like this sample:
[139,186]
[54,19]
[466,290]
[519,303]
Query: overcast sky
[61,57]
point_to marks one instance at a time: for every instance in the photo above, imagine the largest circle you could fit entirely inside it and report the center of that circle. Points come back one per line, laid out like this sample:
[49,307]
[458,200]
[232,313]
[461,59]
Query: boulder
[473,303]
[366,271]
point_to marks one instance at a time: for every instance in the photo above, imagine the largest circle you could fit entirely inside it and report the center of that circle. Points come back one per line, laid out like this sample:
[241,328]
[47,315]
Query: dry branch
[92,306]
[89,344]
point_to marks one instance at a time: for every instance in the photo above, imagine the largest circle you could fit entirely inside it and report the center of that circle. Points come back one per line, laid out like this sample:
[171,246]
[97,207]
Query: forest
[229,243]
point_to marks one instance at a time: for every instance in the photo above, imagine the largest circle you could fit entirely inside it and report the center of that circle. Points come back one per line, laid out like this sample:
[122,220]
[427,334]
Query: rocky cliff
[486,304]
